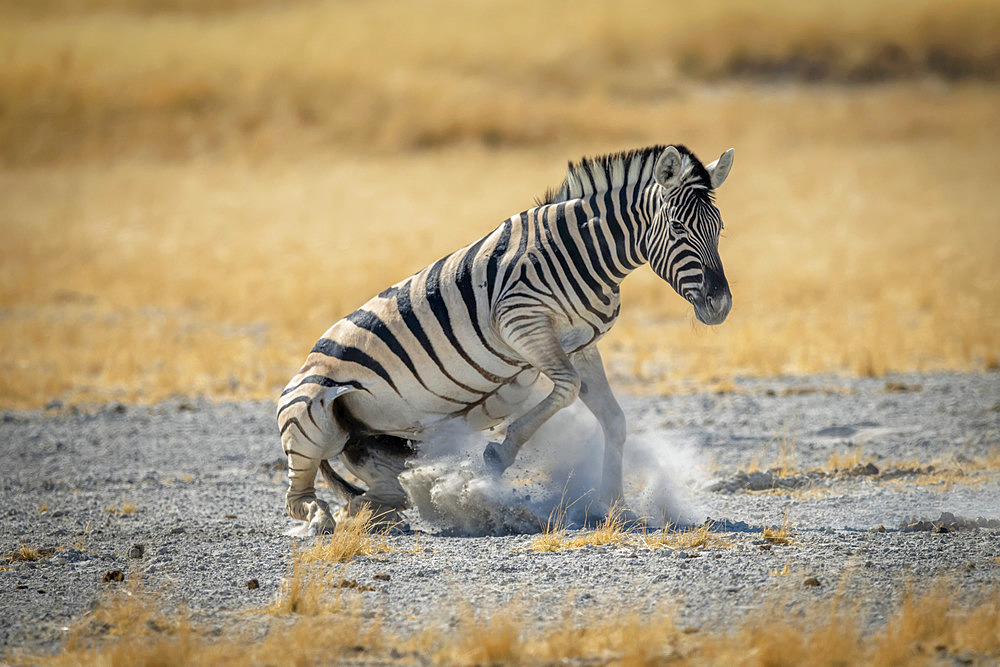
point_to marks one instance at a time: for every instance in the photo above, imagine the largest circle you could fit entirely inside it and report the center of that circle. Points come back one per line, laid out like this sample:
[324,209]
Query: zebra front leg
[596,394]
[536,342]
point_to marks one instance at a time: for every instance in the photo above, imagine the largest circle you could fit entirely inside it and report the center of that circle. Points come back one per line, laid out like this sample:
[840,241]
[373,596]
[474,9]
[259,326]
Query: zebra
[468,337]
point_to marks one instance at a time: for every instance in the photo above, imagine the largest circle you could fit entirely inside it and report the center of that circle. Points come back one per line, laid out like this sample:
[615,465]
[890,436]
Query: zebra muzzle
[712,303]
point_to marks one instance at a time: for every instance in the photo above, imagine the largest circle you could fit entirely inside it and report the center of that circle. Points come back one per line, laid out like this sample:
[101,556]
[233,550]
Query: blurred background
[192,191]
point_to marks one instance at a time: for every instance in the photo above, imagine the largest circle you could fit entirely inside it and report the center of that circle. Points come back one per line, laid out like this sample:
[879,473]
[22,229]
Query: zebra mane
[604,172]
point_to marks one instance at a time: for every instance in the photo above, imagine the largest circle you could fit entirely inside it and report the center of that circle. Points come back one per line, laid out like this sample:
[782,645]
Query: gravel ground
[206,482]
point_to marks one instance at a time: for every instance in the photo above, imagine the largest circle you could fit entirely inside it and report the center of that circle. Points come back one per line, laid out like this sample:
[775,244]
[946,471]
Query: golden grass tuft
[25,552]
[782,535]
[481,639]
[308,590]
[81,542]
[699,537]
[844,460]
[510,636]
[612,529]
[358,535]
[783,572]
[123,507]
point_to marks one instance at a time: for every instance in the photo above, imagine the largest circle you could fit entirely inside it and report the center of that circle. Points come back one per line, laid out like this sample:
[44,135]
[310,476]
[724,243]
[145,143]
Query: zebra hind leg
[309,435]
[341,486]
[378,460]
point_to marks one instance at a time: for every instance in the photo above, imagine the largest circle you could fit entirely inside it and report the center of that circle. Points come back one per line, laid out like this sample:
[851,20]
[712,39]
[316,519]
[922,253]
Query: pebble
[136,551]
[811,581]
[113,576]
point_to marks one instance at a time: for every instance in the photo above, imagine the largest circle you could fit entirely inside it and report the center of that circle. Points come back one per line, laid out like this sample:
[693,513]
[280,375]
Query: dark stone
[113,576]
[253,584]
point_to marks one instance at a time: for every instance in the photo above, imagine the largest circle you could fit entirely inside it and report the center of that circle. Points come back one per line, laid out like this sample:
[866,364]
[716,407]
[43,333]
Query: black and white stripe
[468,336]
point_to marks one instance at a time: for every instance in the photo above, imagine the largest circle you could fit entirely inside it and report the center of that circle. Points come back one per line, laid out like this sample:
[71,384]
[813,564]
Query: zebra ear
[719,169]
[667,170]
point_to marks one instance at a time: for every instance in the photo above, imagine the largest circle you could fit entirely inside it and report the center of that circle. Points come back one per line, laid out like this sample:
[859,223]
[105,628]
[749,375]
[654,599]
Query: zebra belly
[404,416]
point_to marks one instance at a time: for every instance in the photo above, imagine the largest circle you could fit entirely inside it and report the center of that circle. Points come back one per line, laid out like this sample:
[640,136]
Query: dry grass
[612,529]
[81,542]
[107,78]
[25,552]
[506,637]
[185,215]
[309,623]
[358,535]
[783,462]
[128,628]
[308,590]
[781,535]
[844,460]
[783,572]
[123,507]
[700,537]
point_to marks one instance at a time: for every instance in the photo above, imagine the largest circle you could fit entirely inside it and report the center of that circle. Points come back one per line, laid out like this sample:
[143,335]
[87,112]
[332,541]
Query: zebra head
[682,240]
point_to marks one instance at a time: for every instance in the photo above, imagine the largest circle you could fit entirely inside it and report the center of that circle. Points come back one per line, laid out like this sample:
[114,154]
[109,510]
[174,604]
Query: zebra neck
[613,238]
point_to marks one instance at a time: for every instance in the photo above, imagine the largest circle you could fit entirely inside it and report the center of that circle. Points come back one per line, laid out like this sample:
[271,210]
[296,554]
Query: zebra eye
[677,227]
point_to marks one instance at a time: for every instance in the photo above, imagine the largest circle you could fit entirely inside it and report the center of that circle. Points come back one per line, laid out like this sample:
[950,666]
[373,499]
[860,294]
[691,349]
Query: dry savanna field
[192,191]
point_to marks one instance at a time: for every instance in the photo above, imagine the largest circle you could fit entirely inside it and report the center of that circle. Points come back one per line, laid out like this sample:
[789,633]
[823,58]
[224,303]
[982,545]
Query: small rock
[20,587]
[877,529]
[42,591]
[380,576]
[113,576]
[867,469]
[54,404]
[136,551]
[811,581]
[902,387]
[230,516]
[177,531]
[253,584]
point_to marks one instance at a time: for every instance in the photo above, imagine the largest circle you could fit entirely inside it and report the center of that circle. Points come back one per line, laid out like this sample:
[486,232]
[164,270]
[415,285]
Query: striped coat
[469,336]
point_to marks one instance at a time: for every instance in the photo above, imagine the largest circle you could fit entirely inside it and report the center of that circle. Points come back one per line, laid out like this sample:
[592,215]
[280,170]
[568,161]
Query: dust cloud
[555,478]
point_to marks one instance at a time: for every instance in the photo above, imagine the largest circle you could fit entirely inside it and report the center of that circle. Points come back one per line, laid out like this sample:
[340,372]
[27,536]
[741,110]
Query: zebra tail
[340,485]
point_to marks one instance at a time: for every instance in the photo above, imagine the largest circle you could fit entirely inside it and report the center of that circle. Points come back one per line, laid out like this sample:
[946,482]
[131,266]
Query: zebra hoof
[494,462]
[322,524]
